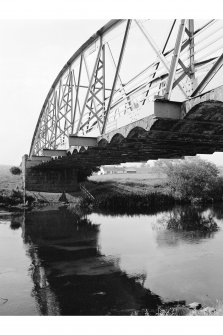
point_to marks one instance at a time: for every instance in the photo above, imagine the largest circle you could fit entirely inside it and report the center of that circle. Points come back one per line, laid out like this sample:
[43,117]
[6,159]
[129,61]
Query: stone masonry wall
[52,181]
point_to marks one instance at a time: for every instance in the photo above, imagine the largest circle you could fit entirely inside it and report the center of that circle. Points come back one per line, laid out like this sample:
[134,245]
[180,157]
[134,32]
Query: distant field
[139,178]
[125,183]
[7,180]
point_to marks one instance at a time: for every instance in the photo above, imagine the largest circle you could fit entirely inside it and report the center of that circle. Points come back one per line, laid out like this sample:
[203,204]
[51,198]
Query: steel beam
[59,116]
[119,77]
[157,51]
[116,74]
[191,51]
[56,153]
[89,88]
[211,73]
[41,158]
[82,141]
[157,65]
[174,61]
[77,92]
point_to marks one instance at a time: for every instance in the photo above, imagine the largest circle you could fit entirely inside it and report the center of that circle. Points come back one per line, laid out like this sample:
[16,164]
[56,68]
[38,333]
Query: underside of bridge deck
[199,132]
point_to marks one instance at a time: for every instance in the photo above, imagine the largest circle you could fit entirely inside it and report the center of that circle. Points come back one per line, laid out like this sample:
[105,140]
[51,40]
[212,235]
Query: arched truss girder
[90,97]
[137,133]
[117,139]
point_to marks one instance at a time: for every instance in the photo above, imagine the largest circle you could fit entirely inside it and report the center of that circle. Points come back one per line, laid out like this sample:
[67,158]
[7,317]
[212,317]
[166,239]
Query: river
[52,264]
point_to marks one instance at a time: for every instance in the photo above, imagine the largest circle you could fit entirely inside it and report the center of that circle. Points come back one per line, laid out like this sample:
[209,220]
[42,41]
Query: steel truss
[89,94]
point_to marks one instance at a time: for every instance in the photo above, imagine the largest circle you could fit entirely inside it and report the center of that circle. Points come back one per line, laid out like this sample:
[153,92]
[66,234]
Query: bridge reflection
[73,272]
[71,276]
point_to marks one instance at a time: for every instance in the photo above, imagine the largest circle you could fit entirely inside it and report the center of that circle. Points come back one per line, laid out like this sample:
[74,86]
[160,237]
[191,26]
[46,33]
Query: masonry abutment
[45,180]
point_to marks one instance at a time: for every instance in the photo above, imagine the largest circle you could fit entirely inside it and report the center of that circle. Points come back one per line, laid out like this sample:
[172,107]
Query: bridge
[136,90]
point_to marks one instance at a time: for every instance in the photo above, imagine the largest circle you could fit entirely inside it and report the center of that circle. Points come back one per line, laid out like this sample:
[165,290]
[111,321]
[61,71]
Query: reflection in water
[17,221]
[185,223]
[217,211]
[191,219]
[103,265]
[55,241]
[70,275]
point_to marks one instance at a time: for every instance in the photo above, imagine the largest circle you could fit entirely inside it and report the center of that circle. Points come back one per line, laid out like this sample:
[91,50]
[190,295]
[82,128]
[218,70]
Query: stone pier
[52,181]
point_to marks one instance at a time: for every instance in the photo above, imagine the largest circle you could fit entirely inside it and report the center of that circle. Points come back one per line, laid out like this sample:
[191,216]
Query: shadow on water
[72,277]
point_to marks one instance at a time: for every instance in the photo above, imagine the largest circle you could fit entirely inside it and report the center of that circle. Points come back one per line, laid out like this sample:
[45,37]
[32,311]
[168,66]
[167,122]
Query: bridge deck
[200,131]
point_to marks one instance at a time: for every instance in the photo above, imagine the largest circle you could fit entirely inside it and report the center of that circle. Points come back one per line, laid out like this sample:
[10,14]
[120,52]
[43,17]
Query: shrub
[84,173]
[194,178]
[15,170]
[16,196]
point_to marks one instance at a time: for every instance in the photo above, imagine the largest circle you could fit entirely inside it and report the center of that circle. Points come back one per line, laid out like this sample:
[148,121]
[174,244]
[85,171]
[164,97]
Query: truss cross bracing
[109,80]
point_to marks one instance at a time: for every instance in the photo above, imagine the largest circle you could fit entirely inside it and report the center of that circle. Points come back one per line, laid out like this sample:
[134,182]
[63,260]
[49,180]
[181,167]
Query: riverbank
[119,195]
[136,195]
[193,309]
[129,196]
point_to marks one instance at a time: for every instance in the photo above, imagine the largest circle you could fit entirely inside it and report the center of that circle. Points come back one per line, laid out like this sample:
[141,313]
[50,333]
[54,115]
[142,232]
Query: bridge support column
[48,180]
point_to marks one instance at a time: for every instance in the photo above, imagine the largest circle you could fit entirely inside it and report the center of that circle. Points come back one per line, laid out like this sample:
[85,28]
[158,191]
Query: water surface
[52,264]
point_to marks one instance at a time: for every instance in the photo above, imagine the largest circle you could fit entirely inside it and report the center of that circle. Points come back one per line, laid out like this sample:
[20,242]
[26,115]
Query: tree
[193,178]
[15,170]
[84,173]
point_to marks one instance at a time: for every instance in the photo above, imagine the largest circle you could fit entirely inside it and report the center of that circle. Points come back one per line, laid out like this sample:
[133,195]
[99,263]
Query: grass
[128,178]
[133,203]
[9,187]
[7,180]
[130,193]
[126,183]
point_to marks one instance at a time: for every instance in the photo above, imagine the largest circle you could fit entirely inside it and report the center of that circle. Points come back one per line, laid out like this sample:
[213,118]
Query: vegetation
[8,181]
[193,180]
[132,203]
[13,198]
[189,221]
[129,196]
[84,173]
[15,170]
[81,207]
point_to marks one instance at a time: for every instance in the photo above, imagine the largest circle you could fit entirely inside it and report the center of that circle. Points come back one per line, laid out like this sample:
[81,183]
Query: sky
[32,54]
[33,51]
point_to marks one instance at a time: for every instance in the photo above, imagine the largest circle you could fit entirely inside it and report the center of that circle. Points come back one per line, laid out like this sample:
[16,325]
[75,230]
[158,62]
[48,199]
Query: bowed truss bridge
[135,90]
